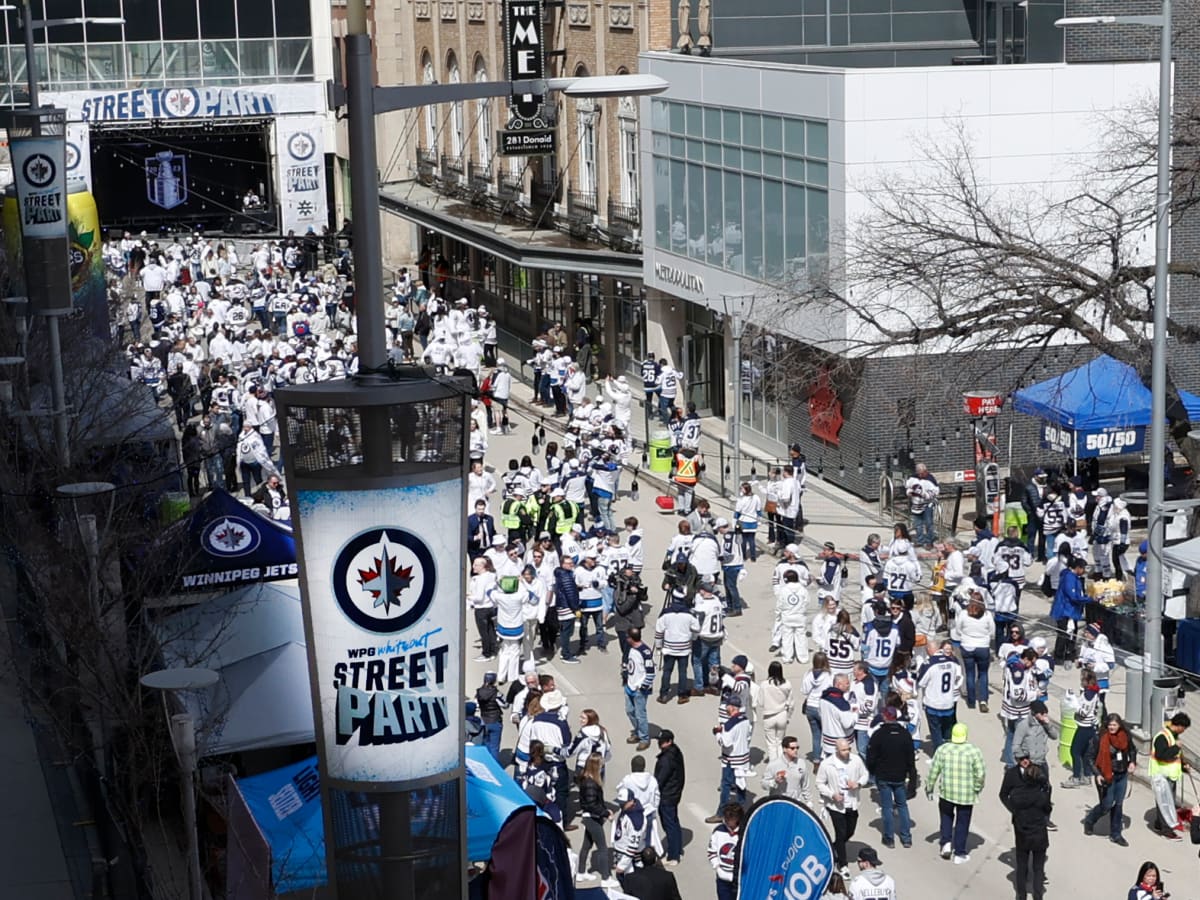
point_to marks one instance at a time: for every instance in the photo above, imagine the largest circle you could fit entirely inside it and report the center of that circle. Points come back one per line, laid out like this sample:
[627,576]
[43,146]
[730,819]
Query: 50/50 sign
[1113,442]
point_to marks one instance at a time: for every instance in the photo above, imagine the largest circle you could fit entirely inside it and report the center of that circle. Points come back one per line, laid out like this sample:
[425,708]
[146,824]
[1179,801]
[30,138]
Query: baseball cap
[741,660]
[733,700]
[720,523]
[868,855]
[1100,492]
[793,549]
[624,795]
[889,714]
[665,735]
[498,540]
[1094,630]
[958,734]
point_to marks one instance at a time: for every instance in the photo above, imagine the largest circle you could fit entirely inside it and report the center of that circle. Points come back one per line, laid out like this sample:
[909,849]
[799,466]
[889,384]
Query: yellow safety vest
[686,469]
[510,514]
[565,514]
[1173,768]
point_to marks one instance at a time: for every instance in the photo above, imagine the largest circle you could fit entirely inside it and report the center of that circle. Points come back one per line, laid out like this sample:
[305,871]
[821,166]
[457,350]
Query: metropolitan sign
[528,131]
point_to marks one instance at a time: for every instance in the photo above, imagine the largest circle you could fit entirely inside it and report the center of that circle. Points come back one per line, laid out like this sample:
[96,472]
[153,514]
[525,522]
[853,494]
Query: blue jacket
[1139,578]
[1070,599]
[566,594]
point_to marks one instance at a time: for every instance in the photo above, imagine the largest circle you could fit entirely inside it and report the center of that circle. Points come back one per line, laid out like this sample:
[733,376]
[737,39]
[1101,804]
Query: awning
[516,243]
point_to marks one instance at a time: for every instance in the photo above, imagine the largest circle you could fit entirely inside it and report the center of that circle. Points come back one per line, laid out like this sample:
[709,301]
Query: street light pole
[1152,643]
[1158,378]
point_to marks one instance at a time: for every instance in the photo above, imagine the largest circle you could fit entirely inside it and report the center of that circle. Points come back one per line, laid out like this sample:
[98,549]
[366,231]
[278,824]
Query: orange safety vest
[686,469]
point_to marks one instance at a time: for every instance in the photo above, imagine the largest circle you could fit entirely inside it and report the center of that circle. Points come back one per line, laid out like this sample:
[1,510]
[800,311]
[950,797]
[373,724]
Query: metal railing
[479,181]
[427,162]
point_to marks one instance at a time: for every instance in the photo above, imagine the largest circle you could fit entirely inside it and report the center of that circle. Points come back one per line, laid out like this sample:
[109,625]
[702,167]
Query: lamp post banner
[40,171]
[383,570]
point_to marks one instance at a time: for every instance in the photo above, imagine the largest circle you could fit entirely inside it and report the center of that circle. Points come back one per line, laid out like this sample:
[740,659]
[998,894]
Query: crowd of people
[879,666]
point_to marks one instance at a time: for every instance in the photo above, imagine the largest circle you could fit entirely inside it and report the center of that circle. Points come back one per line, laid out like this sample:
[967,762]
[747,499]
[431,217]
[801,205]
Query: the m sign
[526,54]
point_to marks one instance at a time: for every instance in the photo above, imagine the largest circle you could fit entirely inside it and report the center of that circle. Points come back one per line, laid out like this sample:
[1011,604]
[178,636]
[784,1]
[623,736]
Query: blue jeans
[252,476]
[893,799]
[214,471]
[733,596]
[1003,624]
[604,505]
[679,664]
[1081,766]
[814,725]
[635,710]
[565,631]
[664,408]
[668,814]
[1010,727]
[1113,803]
[955,825]
[940,726]
[705,655]
[923,526]
[750,545]
[491,738]
[729,788]
[975,664]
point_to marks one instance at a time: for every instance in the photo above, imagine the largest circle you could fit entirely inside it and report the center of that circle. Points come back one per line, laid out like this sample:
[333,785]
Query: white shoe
[587,877]
[945,851]
[959,860]
[610,883]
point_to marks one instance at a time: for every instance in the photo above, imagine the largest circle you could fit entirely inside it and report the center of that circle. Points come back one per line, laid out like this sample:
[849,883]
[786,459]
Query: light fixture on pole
[1153,642]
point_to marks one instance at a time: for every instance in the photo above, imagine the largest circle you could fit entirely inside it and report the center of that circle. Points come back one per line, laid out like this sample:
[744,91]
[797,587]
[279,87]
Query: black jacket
[488,698]
[1029,802]
[591,800]
[653,883]
[890,754]
[628,596]
[669,773]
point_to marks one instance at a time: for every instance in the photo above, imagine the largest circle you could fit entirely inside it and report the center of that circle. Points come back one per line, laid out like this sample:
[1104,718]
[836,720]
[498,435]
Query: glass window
[751,130]
[295,59]
[712,124]
[258,59]
[772,164]
[818,173]
[587,149]
[695,149]
[697,244]
[732,126]
[659,120]
[483,121]
[751,161]
[107,65]
[793,136]
[712,212]
[219,59]
[772,133]
[695,121]
[458,123]
[712,153]
[254,19]
[58,9]
[818,222]
[431,110]
[182,60]
[733,221]
[141,20]
[629,163]
[733,157]
[793,169]
[659,143]
[181,25]
[662,203]
[793,226]
[678,196]
[218,19]
[677,147]
[146,62]
[773,228]
[818,140]
[103,34]
[68,64]
[677,117]
[292,18]
[752,226]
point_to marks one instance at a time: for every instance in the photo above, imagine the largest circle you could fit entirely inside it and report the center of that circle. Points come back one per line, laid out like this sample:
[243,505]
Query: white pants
[774,730]
[508,666]
[793,643]
[1164,797]
[530,640]
[1102,557]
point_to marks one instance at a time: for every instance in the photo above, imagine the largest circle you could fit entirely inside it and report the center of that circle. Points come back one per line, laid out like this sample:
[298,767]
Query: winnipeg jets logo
[179,103]
[230,536]
[39,170]
[384,580]
[301,146]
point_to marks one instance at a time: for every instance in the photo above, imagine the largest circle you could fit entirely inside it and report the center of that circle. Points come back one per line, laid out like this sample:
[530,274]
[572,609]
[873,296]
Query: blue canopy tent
[285,808]
[1099,409]
[223,544]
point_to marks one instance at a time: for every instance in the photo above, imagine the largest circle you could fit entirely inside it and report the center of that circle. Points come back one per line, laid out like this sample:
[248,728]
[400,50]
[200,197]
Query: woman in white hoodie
[778,704]
[977,633]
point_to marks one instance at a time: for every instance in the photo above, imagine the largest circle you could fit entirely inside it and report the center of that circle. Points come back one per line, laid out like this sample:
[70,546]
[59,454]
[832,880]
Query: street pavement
[1076,863]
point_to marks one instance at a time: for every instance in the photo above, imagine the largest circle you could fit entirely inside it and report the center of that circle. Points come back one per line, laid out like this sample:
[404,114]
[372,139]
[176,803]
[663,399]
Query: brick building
[535,239]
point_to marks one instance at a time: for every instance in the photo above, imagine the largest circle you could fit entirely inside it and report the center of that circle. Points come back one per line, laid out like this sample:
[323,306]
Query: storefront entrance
[702,351]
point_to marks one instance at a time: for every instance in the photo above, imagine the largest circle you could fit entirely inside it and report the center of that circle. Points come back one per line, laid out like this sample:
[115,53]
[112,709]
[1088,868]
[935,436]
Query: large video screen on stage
[184,174]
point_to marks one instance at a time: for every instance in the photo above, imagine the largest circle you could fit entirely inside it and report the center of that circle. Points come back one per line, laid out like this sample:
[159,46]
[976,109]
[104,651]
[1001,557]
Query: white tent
[254,639]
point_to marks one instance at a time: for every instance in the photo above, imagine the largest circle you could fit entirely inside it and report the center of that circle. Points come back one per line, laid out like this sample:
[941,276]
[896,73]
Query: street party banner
[300,150]
[784,853]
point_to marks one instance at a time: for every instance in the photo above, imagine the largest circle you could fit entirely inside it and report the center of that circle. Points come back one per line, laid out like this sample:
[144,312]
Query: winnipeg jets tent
[223,543]
[1099,409]
[254,639]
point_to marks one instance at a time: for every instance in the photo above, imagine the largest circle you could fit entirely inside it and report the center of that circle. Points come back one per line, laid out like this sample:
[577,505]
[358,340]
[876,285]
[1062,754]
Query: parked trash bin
[1163,700]
[660,451]
[1014,514]
[1134,673]
[173,506]
[1068,726]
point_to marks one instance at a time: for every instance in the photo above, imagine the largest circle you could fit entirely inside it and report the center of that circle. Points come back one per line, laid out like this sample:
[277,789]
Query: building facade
[182,110]
[538,239]
[759,159]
